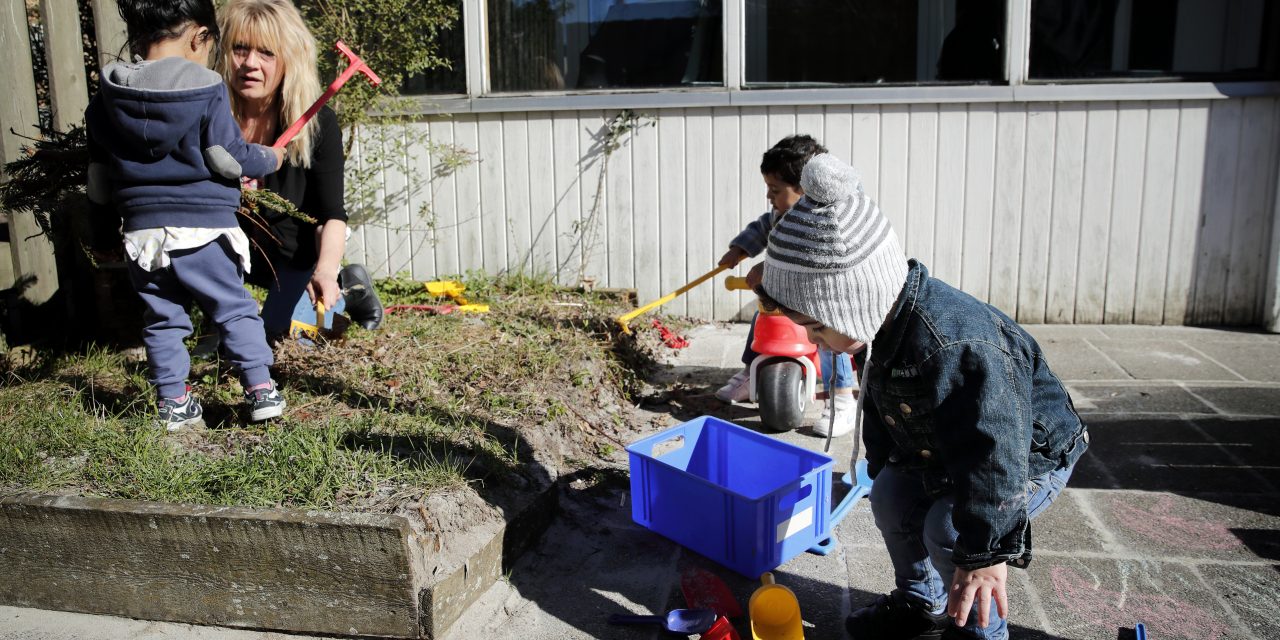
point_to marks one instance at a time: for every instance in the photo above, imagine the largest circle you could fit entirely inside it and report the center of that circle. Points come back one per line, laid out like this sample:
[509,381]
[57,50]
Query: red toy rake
[354,65]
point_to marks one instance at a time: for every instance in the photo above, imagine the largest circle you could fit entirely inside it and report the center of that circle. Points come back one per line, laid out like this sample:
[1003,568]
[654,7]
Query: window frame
[1019,87]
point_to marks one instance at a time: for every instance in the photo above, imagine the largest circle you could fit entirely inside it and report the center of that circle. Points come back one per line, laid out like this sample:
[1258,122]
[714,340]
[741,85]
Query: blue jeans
[837,369]
[287,299]
[834,365]
[918,532]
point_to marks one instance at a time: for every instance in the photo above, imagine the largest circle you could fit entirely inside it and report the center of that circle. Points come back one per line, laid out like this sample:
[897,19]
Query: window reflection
[1193,39]
[598,44]
[849,42]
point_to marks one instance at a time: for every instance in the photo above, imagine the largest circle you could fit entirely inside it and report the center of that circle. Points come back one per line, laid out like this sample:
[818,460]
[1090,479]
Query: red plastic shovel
[705,590]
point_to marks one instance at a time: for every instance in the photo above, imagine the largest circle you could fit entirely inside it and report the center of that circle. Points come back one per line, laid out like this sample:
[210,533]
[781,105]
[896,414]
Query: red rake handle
[354,64]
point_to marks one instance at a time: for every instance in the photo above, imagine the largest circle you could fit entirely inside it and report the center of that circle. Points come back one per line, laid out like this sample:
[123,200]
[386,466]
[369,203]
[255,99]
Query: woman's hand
[324,287]
[979,585]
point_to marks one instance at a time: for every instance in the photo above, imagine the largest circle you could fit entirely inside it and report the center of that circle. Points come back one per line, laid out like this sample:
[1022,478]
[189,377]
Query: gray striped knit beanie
[833,256]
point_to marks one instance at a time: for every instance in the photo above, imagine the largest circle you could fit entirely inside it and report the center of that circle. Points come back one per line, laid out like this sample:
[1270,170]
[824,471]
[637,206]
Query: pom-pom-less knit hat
[834,256]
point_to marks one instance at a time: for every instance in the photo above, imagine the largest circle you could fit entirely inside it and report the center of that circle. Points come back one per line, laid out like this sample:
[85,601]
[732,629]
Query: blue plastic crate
[741,498]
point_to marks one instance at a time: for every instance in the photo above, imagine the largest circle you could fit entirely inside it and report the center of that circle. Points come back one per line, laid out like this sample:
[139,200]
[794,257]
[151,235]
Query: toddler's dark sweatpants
[211,276]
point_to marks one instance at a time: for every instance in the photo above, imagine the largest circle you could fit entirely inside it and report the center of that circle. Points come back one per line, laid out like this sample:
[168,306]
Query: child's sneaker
[177,413]
[265,402]
[846,414]
[896,617]
[738,389]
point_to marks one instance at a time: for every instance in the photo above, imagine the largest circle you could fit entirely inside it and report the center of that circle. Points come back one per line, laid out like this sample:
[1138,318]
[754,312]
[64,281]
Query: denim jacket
[959,392]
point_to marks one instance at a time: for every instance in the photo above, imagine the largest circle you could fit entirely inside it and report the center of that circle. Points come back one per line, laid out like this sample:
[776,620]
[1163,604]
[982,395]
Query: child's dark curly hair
[150,21]
[787,158]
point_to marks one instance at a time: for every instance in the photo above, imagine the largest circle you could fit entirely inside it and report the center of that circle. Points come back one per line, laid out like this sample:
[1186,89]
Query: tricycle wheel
[780,393]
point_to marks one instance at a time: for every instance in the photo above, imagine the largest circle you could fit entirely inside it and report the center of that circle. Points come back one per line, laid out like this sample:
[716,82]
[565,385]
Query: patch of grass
[51,441]
[375,420]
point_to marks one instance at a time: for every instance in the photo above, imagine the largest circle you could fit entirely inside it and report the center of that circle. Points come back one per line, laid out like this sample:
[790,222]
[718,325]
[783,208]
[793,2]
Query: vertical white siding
[1006,230]
[1095,214]
[1064,226]
[1114,212]
[1036,213]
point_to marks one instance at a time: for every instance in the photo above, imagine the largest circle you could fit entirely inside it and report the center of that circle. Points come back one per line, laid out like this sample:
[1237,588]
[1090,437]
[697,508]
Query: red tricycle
[784,377]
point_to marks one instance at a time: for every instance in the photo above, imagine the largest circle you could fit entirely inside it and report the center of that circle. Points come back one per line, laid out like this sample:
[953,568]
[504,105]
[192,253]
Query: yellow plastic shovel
[624,319]
[775,612]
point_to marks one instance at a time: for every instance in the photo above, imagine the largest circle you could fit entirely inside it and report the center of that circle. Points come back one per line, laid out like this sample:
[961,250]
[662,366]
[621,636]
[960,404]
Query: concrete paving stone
[1137,397]
[1064,332]
[1251,591]
[1102,599]
[870,573]
[1064,527]
[1241,400]
[594,561]
[1157,453]
[1161,360]
[1242,527]
[1077,359]
[1167,332]
[1255,361]
[858,530]
[37,624]
[1251,444]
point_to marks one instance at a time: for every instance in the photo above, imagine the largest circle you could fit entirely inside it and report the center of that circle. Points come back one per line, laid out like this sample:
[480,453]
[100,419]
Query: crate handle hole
[667,446]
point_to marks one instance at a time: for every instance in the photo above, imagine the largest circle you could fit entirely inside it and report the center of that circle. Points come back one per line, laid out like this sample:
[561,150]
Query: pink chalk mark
[1101,608]
[1158,525]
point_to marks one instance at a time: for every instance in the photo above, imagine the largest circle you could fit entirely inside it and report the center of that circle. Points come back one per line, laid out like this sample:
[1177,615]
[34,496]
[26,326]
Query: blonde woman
[268,60]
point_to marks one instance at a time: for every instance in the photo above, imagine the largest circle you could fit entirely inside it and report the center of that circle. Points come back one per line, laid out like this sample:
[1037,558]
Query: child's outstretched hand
[279,156]
[979,585]
[732,257]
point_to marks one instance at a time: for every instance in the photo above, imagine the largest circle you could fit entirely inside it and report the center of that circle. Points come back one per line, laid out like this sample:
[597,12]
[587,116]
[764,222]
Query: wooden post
[64,51]
[6,262]
[1271,297]
[110,30]
[33,261]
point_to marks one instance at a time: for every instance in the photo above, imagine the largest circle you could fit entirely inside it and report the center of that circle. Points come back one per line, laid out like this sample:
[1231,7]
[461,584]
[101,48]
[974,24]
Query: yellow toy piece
[451,289]
[775,612]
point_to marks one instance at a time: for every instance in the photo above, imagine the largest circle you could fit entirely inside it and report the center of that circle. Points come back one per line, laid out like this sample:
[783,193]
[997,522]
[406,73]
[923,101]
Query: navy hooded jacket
[171,150]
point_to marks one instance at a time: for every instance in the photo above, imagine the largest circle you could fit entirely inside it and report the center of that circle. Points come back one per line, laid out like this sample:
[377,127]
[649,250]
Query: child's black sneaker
[179,413]
[264,403]
[896,617]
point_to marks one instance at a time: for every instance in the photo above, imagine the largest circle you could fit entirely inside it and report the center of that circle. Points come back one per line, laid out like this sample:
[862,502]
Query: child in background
[780,167]
[969,434]
[166,154]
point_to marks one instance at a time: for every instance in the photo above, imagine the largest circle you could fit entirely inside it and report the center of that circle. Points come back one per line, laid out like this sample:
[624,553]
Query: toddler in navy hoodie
[166,156]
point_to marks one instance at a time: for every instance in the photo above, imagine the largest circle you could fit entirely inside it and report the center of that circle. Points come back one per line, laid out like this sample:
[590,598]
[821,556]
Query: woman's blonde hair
[277,26]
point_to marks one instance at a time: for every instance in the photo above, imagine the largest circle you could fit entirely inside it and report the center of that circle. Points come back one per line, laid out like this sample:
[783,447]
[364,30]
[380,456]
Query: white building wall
[1153,212]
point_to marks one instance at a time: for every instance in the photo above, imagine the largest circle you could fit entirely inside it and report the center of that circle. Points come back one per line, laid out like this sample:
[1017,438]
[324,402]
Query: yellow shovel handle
[628,317]
[319,315]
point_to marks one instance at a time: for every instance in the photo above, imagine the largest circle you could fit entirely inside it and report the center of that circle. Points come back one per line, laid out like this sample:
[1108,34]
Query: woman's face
[256,73]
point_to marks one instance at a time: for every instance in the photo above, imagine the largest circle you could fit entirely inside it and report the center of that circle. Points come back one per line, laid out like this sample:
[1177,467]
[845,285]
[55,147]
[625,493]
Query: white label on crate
[795,524]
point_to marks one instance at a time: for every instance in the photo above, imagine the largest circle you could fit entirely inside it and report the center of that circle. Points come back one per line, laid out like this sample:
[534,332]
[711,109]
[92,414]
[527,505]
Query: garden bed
[454,425]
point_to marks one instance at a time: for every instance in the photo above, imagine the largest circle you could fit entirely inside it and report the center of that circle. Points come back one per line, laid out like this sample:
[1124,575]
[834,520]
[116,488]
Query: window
[1180,39]
[444,80]
[847,42]
[539,45]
